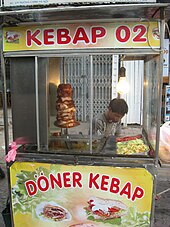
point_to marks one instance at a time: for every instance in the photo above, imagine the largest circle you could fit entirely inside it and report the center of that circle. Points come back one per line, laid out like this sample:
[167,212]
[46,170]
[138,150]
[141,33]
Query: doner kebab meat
[65,107]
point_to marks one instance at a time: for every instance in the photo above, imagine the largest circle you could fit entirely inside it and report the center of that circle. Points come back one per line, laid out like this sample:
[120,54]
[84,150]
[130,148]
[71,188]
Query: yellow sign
[89,196]
[82,36]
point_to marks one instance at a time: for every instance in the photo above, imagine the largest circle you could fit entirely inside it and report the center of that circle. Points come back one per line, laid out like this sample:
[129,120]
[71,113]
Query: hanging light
[122,85]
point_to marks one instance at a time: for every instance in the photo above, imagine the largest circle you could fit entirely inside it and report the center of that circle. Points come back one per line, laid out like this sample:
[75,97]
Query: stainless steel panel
[146,11]
[23,99]
[12,3]
[133,54]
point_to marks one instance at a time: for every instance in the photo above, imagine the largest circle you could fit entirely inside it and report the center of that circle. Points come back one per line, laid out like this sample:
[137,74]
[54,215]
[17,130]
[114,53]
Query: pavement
[162,205]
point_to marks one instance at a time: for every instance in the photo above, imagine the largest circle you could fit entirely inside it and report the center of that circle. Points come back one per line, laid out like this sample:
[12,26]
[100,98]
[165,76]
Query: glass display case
[65,172]
[38,115]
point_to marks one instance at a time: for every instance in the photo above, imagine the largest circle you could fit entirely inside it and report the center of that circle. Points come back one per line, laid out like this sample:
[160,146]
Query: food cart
[63,173]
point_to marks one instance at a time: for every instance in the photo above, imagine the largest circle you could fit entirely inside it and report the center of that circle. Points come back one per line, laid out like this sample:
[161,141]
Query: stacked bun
[65,107]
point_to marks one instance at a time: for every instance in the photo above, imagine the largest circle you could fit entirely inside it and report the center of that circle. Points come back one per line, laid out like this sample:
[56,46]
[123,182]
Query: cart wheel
[2,174]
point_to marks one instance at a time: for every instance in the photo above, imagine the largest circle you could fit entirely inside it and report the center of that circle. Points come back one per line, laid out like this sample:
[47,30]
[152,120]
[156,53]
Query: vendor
[109,122]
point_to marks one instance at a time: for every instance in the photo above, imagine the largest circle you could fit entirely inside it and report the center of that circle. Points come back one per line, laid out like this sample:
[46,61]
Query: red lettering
[66,179]
[31,187]
[55,180]
[32,38]
[92,181]
[126,190]
[43,183]
[80,35]
[104,182]
[114,186]
[98,33]
[63,36]
[48,36]
[76,179]
[123,34]
[138,193]
[141,29]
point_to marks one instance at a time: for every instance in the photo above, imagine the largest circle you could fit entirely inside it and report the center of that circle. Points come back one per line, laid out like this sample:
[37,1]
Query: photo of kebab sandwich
[50,211]
[105,209]
[12,37]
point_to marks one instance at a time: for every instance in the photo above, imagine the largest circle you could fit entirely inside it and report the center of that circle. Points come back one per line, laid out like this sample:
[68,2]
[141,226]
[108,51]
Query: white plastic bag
[164,146]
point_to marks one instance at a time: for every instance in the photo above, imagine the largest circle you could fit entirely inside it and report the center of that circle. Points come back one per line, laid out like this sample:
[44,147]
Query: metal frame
[79,8]
[147,163]
[57,53]
[37,104]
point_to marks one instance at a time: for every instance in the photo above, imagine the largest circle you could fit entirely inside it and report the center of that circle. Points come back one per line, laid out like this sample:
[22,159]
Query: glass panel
[68,97]
[151,99]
